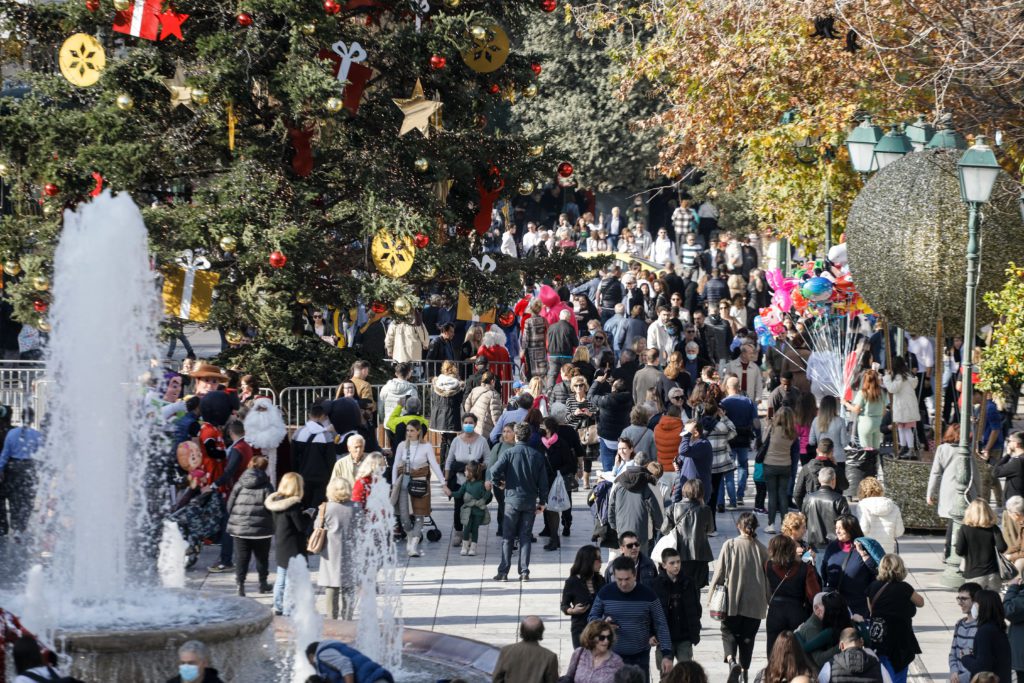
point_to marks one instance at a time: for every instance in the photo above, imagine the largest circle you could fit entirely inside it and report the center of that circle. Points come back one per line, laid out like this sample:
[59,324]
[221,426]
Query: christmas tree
[288,154]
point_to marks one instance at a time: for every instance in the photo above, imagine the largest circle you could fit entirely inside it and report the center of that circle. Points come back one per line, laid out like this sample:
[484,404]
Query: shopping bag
[558,497]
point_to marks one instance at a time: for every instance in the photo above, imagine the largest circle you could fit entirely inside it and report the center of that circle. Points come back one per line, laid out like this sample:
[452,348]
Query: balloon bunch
[817,288]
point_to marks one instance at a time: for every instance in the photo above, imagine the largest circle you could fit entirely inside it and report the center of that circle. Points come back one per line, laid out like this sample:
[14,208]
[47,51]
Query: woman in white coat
[942,482]
[880,518]
[902,384]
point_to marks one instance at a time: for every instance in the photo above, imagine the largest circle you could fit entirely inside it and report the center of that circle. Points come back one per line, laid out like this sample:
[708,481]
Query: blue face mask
[188,672]
[467,428]
[691,356]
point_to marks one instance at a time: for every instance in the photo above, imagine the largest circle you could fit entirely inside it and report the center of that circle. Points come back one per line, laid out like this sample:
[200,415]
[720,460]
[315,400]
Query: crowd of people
[656,376]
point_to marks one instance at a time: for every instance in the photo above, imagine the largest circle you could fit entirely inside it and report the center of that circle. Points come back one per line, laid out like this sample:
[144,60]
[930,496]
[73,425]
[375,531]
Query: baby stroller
[199,518]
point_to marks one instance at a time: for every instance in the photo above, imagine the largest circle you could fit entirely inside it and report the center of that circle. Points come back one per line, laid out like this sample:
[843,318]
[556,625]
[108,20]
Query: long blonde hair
[291,485]
[536,386]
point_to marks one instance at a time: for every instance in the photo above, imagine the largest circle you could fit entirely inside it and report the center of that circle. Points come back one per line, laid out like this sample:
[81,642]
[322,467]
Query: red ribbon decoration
[487,198]
[301,139]
[99,184]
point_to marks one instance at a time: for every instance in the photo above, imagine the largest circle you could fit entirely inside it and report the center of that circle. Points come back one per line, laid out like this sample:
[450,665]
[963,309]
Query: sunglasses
[631,546]
[963,598]
[604,636]
[599,338]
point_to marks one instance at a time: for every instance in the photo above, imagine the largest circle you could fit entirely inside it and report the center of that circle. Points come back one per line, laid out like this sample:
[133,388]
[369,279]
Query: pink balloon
[782,289]
[553,306]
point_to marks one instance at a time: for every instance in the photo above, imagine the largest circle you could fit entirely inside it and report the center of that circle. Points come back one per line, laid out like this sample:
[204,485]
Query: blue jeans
[279,584]
[896,676]
[641,659]
[736,488]
[607,456]
[517,524]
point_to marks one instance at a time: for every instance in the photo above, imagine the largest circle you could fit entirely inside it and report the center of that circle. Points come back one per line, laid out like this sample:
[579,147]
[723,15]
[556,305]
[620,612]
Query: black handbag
[763,450]
[419,488]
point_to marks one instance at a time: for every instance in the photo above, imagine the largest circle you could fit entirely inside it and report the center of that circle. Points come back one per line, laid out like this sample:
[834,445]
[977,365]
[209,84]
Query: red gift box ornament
[349,70]
[146,19]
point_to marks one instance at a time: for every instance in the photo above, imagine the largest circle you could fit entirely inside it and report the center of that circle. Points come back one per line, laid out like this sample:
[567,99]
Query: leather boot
[240,589]
[465,548]
[414,546]
[472,549]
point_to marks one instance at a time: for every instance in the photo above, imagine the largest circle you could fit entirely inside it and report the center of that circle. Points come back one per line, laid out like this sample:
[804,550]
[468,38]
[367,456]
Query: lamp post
[893,146]
[920,133]
[861,145]
[977,171]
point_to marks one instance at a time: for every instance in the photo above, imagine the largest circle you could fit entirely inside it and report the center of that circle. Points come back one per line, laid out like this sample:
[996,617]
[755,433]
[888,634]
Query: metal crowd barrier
[18,380]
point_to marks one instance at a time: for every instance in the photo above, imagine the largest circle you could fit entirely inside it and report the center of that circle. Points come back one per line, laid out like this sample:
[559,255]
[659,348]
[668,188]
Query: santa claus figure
[498,359]
[265,430]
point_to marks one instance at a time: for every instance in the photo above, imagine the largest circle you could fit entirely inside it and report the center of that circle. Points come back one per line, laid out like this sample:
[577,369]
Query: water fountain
[111,618]
[108,616]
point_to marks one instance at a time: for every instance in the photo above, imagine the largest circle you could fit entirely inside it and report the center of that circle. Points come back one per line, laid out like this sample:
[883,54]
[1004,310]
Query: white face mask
[974,611]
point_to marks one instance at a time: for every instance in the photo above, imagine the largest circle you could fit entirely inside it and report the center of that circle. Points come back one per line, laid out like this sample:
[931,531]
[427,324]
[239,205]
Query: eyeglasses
[963,598]
[604,636]
[631,546]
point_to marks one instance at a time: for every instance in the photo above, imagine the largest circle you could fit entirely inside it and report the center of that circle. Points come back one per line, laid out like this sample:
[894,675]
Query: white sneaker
[465,548]
[770,528]
[472,549]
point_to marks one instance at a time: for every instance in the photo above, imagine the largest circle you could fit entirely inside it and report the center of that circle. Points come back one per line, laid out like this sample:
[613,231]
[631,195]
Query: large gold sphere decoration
[200,96]
[125,102]
[12,268]
[303,298]
[43,326]
[234,337]
[535,150]
[531,90]
[228,244]
[526,187]
[40,283]
[906,238]
[489,51]
[334,104]
[4,170]
[122,5]
[422,165]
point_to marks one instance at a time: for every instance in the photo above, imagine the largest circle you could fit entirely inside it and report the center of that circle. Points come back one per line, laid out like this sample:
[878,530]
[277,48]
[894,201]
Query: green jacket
[474,497]
[397,418]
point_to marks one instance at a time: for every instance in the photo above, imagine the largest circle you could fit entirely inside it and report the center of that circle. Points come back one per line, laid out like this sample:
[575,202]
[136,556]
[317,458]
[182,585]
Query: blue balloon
[816,289]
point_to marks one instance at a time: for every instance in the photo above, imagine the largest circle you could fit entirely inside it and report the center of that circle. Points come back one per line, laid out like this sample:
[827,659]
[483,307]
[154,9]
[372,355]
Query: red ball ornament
[378,308]
[244,19]
[92,5]
[494,170]
[421,241]
[331,7]
[549,5]
[565,169]
[494,89]
[51,190]
[536,68]
[506,319]
[438,62]
[40,306]
[277,259]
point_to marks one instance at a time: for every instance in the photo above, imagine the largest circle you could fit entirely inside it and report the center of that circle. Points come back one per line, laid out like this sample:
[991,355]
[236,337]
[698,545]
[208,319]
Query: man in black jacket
[562,342]
[807,483]
[823,507]
[443,348]
[1012,466]
[609,293]
[614,401]
[680,601]
[646,570]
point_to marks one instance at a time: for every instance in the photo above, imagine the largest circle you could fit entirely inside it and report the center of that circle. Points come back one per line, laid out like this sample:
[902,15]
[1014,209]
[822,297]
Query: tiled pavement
[443,591]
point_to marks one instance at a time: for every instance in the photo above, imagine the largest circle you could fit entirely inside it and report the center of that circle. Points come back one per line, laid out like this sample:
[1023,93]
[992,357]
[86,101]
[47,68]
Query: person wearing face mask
[467,447]
[194,665]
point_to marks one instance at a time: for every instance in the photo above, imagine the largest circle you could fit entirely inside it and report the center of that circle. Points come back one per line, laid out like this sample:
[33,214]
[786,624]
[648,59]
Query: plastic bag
[558,496]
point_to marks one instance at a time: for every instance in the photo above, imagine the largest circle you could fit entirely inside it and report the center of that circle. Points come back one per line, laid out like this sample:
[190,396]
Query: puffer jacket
[484,402]
[881,519]
[633,504]
[614,410]
[667,434]
[291,527]
[904,397]
[391,393]
[248,516]
[445,404]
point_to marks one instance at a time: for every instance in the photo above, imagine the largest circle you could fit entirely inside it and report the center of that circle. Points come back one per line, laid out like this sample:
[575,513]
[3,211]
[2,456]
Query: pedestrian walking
[337,574]
[527,661]
[793,585]
[894,602]
[251,523]
[578,593]
[521,470]
[977,542]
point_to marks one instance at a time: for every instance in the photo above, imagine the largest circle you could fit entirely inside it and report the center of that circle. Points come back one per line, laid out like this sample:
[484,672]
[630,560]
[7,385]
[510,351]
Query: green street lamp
[861,144]
[893,146]
[920,132]
[977,171]
[947,137]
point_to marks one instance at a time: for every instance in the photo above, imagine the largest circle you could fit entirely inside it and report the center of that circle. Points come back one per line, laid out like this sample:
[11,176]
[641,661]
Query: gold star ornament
[418,111]
[181,94]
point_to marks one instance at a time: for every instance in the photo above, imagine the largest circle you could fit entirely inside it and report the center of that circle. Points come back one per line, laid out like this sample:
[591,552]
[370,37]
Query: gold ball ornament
[303,298]
[422,165]
[308,29]
[4,170]
[489,50]
[228,243]
[40,283]
[12,268]
[402,306]
[531,90]
[122,5]
[43,326]
[234,337]
[452,4]
[200,96]
[334,104]
[535,150]
[526,187]
[81,60]
[125,102]
[430,272]
[393,256]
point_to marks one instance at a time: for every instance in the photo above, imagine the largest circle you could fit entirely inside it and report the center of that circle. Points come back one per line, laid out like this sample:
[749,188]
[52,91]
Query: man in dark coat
[523,472]
[807,482]
[823,507]
[194,664]
[443,348]
[562,343]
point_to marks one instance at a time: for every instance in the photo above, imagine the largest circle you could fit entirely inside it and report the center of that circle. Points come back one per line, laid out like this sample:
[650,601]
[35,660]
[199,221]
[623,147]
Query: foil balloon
[782,289]
[772,317]
[799,302]
[816,289]
[764,335]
